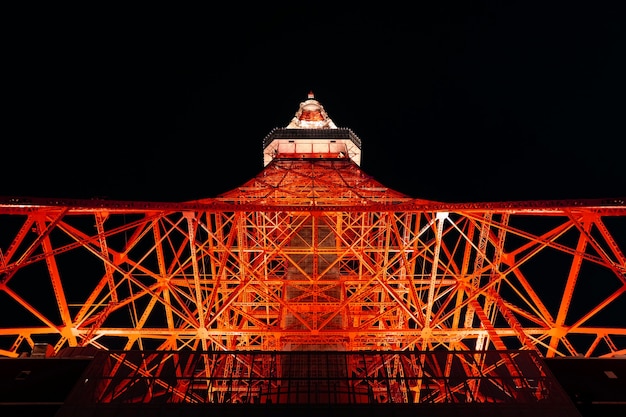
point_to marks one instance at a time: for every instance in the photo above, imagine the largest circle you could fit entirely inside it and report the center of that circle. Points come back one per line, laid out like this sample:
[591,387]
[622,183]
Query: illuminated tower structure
[314,271]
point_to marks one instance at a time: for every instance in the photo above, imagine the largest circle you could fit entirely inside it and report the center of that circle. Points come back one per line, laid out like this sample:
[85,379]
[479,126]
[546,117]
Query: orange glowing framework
[313,254]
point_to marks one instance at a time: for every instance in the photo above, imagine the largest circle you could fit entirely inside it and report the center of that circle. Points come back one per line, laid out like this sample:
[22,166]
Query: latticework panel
[426,378]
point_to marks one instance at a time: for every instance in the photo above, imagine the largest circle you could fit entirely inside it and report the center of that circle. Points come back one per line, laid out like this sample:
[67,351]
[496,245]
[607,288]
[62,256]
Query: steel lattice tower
[312,254]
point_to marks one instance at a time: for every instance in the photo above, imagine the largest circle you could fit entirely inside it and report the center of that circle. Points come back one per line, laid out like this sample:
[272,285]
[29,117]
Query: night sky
[453,101]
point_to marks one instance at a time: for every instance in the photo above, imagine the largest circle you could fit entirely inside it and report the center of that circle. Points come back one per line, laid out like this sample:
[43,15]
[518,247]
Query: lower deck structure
[173,383]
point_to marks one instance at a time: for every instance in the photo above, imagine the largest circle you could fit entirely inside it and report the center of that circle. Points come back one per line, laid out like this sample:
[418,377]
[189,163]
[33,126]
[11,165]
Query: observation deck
[311,134]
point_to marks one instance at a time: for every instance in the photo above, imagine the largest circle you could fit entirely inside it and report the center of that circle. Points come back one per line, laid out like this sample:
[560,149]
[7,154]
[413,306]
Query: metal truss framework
[314,255]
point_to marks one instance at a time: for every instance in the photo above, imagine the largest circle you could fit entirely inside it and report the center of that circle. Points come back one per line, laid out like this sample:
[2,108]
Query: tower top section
[311,134]
[311,115]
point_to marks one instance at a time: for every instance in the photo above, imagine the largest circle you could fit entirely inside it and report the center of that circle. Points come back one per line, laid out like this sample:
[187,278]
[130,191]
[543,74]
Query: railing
[318,377]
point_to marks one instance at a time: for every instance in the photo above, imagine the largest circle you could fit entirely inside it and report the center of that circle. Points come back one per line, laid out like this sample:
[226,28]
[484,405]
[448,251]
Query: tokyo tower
[314,271]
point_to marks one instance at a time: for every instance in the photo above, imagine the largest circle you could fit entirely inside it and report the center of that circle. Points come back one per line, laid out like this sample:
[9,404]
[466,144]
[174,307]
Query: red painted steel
[313,254]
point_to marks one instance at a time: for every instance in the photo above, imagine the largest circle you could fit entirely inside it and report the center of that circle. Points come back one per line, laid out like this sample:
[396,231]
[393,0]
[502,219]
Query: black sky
[453,101]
